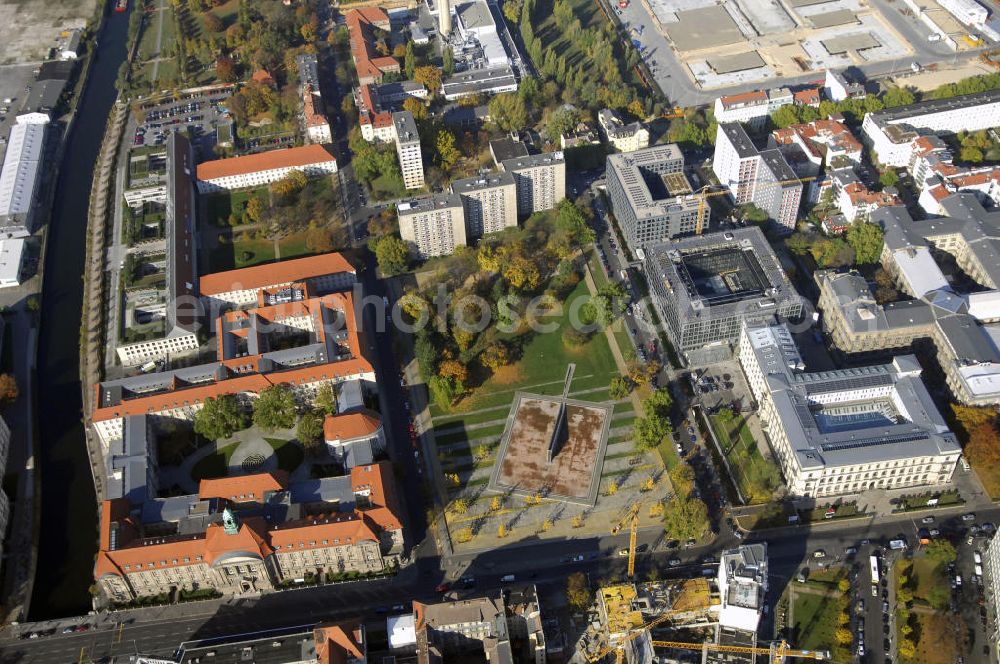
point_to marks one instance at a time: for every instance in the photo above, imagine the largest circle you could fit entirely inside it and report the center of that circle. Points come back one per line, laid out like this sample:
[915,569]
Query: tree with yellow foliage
[496,504]
[648,484]
[464,535]
[495,357]
[502,531]
[611,489]
[577,521]
[453,369]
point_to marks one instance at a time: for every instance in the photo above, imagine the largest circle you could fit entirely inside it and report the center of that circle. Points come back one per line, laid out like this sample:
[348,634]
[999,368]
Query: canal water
[68,537]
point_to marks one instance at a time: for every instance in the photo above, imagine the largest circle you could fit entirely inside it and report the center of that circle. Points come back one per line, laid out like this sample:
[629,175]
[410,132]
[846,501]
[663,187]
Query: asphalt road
[159,631]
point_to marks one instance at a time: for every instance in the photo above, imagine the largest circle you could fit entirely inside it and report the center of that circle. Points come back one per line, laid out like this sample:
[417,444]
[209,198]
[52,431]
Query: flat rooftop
[705,27]
[724,274]
[553,446]
[725,64]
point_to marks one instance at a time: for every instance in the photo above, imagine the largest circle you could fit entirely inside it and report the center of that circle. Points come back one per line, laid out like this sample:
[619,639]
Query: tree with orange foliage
[984,445]
[453,369]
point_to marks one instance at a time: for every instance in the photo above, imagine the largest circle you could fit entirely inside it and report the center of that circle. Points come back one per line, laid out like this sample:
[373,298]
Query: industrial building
[21,173]
[706,287]
[847,430]
[651,197]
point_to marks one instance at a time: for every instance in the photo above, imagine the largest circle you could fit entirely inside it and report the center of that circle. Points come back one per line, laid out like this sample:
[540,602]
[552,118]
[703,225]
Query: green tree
[392,255]
[889,177]
[866,240]
[220,418]
[650,431]
[620,388]
[786,116]
[844,636]
[971,155]
[213,23]
[444,390]
[274,408]
[326,399]
[578,594]
[508,111]
[685,518]
[448,62]
[409,61]
[446,155]
[898,97]
[309,430]
[512,10]
[939,597]
[429,76]
[562,122]
[941,551]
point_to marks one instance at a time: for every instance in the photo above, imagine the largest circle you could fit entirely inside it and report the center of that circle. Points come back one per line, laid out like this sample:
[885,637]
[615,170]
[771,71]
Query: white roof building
[402,631]
[21,167]
[11,258]
[742,586]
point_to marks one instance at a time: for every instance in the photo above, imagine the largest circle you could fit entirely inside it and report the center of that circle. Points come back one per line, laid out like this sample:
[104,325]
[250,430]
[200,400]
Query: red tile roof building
[361,25]
[250,544]
[316,124]
[322,273]
[376,124]
[332,352]
[255,170]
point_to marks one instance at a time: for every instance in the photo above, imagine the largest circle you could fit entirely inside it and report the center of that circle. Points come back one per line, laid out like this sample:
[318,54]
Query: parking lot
[200,114]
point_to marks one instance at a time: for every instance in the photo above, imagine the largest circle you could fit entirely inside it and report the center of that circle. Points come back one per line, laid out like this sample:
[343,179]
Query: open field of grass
[816,619]
[757,477]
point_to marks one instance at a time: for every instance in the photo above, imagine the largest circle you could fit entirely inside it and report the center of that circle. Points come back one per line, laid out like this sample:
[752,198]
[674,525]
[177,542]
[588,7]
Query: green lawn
[150,29]
[220,205]
[293,245]
[816,621]
[757,477]
[543,366]
[290,454]
[384,188]
[214,465]
[241,253]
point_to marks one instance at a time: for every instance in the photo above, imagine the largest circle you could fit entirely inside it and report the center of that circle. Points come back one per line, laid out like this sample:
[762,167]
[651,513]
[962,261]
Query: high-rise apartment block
[540,179]
[434,225]
[408,149]
[489,202]
[761,177]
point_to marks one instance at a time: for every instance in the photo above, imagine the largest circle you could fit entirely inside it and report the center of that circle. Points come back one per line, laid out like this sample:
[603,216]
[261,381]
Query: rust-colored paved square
[525,464]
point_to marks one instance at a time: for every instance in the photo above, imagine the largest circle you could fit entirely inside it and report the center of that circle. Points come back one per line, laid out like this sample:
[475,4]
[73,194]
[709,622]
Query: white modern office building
[847,430]
[891,132]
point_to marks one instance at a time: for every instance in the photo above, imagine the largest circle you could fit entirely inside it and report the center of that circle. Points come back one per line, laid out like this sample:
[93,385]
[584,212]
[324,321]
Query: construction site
[712,618]
[743,41]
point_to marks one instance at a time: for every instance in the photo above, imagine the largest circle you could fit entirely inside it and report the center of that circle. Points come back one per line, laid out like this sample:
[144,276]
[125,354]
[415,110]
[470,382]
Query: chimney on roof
[444,18]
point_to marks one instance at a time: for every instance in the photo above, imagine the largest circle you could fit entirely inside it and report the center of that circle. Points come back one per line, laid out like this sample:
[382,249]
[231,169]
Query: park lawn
[936,643]
[589,15]
[168,68]
[385,187]
[219,206]
[622,338]
[928,575]
[227,12]
[757,477]
[214,465]
[466,435]
[545,360]
[290,454]
[151,27]
[241,253]
[816,621]
[989,475]
[293,245]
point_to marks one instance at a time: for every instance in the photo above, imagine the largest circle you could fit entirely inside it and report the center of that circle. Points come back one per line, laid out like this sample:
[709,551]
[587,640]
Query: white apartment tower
[408,149]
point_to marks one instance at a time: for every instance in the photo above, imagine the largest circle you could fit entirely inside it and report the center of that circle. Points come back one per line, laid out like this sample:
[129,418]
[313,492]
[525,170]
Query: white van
[509,578]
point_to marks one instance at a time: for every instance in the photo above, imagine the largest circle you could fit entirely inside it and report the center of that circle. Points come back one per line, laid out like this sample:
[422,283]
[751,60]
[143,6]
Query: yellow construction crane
[632,518]
[619,647]
[777,651]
